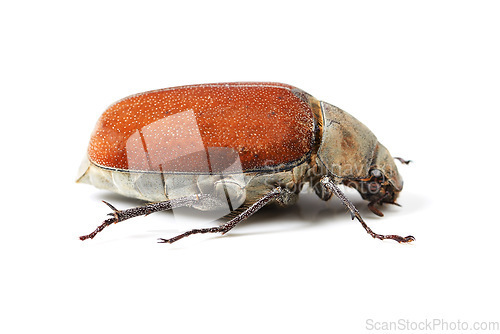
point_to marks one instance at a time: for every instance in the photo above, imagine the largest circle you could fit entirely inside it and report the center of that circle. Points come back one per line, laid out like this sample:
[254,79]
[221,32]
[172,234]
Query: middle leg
[275,193]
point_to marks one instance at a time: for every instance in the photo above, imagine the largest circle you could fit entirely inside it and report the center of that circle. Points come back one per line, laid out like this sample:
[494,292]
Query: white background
[424,76]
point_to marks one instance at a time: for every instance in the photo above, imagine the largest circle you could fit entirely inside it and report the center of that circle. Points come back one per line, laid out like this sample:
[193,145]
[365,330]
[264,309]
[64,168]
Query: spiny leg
[121,215]
[328,183]
[233,222]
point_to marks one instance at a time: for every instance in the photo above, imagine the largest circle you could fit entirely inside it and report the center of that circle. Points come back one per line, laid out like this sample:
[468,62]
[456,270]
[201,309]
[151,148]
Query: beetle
[236,147]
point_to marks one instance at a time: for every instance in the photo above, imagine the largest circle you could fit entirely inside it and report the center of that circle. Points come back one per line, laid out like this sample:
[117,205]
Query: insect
[235,147]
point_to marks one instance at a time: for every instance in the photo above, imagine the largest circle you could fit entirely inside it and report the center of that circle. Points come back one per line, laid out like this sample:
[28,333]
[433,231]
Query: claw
[406,239]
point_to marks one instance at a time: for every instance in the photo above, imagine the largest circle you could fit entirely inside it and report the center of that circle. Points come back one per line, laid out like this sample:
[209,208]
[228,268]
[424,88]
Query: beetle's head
[383,183]
[350,152]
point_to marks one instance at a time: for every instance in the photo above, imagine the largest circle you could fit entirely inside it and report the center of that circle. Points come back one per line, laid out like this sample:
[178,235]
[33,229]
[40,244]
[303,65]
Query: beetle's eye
[373,187]
[376,173]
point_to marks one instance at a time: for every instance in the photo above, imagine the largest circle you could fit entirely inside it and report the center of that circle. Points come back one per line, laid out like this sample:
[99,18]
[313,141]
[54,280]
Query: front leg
[332,187]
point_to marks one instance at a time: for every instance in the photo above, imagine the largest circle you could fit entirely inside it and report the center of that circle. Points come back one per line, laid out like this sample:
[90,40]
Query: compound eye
[376,173]
[373,187]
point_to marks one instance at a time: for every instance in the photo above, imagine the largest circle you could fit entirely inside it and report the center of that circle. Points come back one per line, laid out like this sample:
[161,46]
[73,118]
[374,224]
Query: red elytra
[168,130]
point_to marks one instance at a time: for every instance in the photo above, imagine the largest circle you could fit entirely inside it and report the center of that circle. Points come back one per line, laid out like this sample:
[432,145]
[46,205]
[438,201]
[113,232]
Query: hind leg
[275,193]
[204,200]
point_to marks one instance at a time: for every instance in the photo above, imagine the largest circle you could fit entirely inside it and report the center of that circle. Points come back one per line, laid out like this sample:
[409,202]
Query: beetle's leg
[276,192]
[327,183]
[403,161]
[121,215]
